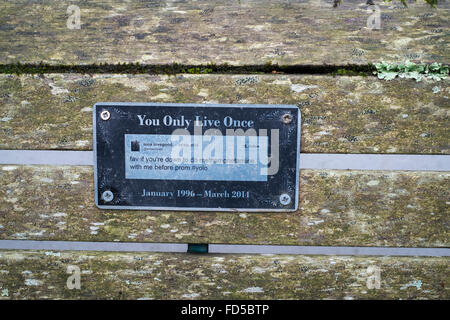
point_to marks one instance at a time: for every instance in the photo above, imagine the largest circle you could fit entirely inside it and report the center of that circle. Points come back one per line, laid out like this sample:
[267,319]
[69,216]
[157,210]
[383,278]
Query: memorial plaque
[168,156]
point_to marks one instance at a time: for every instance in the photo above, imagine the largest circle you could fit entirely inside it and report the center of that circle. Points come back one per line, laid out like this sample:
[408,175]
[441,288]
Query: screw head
[105,115]
[286,118]
[107,196]
[285,199]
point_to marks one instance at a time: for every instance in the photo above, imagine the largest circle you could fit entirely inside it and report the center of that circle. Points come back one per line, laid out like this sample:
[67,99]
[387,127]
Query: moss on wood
[42,275]
[340,208]
[254,32]
[339,115]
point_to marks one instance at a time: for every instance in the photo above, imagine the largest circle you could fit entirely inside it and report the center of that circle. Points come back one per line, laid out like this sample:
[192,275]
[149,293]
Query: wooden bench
[340,114]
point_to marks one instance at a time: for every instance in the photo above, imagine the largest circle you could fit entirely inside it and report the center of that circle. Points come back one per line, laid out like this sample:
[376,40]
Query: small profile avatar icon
[135,145]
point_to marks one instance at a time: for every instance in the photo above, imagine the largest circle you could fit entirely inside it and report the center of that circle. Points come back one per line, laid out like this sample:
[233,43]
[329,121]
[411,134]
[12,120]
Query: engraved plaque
[168,156]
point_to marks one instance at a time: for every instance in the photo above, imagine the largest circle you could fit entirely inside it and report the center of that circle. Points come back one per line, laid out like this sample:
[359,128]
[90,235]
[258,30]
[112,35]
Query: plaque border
[191,105]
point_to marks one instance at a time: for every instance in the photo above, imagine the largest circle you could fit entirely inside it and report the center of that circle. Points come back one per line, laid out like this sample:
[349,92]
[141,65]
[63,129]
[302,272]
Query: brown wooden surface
[43,275]
[244,32]
[339,114]
[340,208]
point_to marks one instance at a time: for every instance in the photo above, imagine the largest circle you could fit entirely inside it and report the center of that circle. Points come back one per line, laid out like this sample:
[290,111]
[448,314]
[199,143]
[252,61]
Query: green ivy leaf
[387,75]
[434,66]
[410,70]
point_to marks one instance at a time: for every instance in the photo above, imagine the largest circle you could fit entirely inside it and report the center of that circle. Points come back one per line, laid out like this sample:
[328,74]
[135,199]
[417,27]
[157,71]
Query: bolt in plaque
[209,157]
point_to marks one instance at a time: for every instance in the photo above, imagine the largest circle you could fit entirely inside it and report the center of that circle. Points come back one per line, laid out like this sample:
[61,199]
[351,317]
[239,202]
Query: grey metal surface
[375,162]
[307,160]
[220,248]
[47,157]
[92,246]
[323,250]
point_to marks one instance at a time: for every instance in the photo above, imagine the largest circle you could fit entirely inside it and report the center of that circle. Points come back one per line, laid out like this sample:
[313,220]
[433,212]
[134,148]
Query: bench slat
[43,275]
[337,208]
[339,114]
[243,32]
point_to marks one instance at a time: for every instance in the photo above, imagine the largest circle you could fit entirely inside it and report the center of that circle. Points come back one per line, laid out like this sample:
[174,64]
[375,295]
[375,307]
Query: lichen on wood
[251,32]
[339,115]
[336,208]
[43,275]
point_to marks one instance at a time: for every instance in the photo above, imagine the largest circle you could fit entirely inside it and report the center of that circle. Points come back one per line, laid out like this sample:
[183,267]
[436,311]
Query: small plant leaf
[410,70]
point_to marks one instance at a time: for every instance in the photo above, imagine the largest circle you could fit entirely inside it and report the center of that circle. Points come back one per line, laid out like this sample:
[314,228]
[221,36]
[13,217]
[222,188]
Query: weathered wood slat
[341,208]
[233,32]
[339,114]
[43,275]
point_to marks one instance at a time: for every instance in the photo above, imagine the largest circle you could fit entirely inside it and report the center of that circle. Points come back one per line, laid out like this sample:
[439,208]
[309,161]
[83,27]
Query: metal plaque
[169,156]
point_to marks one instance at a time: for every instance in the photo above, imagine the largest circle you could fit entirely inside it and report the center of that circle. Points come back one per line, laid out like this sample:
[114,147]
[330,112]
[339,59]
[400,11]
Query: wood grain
[336,208]
[339,114]
[246,32]
[42,275]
